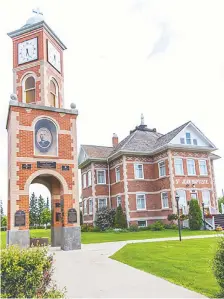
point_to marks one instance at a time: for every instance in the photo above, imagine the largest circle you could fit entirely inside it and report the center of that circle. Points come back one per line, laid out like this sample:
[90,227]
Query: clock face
[27,51]
[54,56]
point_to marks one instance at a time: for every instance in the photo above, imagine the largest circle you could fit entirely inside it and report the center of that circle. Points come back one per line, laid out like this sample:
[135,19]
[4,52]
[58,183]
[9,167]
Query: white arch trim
[26,75]
[57,90]
[45,117]
[48,172]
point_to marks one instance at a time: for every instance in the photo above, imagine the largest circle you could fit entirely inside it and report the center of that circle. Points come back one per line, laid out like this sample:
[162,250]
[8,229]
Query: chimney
[114,140]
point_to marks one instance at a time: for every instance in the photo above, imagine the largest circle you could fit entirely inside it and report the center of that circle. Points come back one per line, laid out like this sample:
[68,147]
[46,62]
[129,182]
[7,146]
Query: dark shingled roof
[95,151]
[141,139]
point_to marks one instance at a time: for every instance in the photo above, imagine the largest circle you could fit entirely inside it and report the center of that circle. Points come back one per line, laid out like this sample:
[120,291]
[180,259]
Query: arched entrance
[56,193]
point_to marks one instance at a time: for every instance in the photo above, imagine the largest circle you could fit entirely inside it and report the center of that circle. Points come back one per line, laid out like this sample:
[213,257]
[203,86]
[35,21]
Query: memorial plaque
[44,164]
[26,166]
[20,218]
[58,216]
[65,167]
[72,216]
[57,205]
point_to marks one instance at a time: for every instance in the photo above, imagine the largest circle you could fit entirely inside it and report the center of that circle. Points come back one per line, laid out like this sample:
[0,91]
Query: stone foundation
[56,236]
[18,237]
[71,238]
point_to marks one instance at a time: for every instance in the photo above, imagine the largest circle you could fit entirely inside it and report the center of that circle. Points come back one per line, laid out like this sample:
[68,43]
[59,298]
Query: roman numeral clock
[41,136]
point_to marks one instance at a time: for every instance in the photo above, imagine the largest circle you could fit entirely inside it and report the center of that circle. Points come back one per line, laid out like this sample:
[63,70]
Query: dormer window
[195,142]
[29,90]
[188,138]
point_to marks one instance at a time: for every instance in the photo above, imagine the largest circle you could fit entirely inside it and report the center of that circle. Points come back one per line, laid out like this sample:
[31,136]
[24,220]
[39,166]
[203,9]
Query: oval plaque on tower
[20,218]
[72,216]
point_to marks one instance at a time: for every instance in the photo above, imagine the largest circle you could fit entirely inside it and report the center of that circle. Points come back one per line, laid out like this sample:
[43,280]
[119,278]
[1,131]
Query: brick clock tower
[42,146]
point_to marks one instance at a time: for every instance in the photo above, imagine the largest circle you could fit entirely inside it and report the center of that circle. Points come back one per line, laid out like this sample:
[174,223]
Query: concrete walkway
[89,273]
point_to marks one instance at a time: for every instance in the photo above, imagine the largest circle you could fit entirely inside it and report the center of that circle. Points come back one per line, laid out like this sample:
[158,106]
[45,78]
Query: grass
[187,263]
[100,237]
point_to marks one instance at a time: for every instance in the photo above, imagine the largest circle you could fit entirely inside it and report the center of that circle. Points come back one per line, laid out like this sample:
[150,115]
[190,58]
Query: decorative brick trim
[172,186]
[93,191]
[126,190]
[190,154]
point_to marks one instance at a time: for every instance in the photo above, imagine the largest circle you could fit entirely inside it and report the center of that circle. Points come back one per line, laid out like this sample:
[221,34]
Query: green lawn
[100,237]
[187,263]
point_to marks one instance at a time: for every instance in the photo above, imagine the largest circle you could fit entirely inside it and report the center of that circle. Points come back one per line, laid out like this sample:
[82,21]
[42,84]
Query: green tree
[41,207]
[47,204]
[3,221]
[195,216]
[120,219]
[46,216]
[220,201]
[1,208]
[33,209]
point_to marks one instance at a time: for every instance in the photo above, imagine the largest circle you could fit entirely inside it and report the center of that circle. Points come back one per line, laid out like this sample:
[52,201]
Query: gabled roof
[141,140]
[95,151]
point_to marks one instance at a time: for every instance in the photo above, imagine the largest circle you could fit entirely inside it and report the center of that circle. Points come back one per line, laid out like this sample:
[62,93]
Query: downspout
[108,176]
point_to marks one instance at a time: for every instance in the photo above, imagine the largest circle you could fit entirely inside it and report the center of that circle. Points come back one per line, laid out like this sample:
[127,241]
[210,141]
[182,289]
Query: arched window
[53,97]
[29,90]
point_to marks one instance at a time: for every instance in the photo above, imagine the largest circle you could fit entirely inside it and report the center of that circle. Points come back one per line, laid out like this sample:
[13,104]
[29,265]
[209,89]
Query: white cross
[37,11]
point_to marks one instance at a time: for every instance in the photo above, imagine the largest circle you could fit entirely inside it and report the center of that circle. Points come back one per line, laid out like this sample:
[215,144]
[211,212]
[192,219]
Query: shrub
[218,228]
[158,225]
[84,228]
[96,229]
[105,218]
[81,218]
[218,265]
[27,273]
[120,218]
[183,217]
[133,228]
[195,216]
[171,226]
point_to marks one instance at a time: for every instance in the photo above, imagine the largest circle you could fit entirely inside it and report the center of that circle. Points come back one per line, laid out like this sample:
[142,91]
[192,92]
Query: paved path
[90,273]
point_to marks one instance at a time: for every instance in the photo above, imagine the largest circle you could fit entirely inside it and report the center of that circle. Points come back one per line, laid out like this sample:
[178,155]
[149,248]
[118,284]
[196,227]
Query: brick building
[144,172]
[42,146]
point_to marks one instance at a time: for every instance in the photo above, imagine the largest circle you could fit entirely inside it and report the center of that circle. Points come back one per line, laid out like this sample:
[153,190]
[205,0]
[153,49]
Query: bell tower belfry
[42,145]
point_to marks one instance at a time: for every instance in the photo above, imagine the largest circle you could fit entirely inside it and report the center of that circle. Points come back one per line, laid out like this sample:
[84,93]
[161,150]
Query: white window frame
[105,180]
[188,167]
[23,87]
[142,225]
[183,207]
[85,207]
[119,198]
[163,207]
[100,198]
[136,171]
[188,138]
[208,192]
[57,91]
[140,194]
[117,170]
[194,195]
[159,163]
[182,166]
[89,176]
[84,180]
[206,168]
[90,212]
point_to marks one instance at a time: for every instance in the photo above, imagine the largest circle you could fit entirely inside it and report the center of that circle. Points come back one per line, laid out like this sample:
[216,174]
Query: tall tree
[1,208]
[120,219]
[33,209]
[41,207]
[47,204]
[46,216]
[220,201]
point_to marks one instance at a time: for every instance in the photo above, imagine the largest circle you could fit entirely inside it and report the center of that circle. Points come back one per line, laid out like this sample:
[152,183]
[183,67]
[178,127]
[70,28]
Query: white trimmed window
[165,202]
[142,223]
[90,206]
[188,138]
[29,89]
[89,178]
[117,174]
[206,198]
[182,200]
[85,206]
[203,167]
[191,167]
[139,173]
[102,203]
[178,164]
[162,168]
[84,180]
[101,177]
[118,200]
[194,195]
[140,202]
